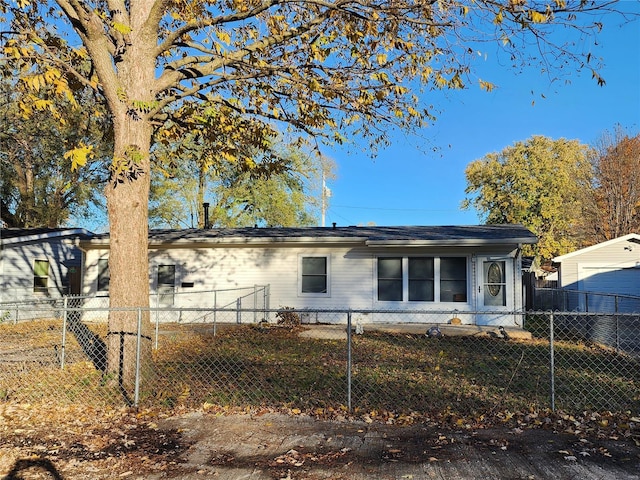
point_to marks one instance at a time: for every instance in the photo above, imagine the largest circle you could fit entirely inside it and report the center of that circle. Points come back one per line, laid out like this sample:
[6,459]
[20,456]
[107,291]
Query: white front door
[494,290]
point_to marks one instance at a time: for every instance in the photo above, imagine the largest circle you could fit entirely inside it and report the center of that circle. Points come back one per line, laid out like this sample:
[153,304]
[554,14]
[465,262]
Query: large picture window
[422,279]
[314,275]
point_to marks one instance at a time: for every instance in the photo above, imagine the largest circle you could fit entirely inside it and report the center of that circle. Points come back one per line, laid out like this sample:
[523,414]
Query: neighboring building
[444,270]
[38,263]
[606,274]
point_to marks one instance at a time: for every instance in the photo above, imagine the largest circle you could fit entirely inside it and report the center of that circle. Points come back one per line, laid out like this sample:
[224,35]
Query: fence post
[64,333]
[552,361]
[349,361]
[617,326]
[255,304]
[215,310]
[238,314]
[136,394]
[157,315]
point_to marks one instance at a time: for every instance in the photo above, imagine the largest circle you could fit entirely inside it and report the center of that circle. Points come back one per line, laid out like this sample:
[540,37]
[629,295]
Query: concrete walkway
[340,331]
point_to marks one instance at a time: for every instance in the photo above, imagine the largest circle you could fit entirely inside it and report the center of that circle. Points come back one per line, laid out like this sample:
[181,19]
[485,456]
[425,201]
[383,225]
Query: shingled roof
[19,235]
[368,235]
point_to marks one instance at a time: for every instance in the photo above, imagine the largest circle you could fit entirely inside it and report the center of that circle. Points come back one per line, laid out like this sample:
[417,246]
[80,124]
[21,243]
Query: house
[470,272]
[39,263]
[606,276]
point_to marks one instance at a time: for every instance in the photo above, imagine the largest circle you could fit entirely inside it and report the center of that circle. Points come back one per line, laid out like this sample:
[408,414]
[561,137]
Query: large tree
[38,189]
[237,197]
[614,208]
[247,172]
[337,68]
[540,183]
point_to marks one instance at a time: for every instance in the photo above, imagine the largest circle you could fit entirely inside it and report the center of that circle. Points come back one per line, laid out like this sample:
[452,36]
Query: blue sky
[408,185]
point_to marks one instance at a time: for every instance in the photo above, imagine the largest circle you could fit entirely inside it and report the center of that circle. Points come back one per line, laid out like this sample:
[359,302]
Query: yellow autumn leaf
[121,28]
[537,17]
[52,74]
[223,36]
[487,86]
[79,156]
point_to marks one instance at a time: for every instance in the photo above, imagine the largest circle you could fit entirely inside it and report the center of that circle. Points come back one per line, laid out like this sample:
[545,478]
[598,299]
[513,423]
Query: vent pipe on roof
[205,205]
[334,225]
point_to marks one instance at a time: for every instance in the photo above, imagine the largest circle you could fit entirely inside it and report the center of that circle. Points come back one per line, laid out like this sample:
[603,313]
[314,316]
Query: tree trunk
[127,202]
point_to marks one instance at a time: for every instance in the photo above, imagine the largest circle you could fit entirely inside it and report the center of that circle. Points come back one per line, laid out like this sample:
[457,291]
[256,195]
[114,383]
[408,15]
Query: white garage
[606,274]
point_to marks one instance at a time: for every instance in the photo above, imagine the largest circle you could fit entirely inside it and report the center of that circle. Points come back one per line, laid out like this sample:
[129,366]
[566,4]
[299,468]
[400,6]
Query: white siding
[16,267]
[612,257]
[352,277]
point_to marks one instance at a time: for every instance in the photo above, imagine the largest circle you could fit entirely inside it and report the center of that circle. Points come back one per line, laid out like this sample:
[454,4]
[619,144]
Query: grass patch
[245,366]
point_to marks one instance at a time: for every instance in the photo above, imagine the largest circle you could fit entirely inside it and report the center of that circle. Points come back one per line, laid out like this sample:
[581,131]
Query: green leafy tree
[242,165]
[333,69]
[38,187]
[540,183]
[237,197]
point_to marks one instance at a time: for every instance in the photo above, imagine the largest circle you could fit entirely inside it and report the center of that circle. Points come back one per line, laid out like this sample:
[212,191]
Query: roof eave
[467,242]
[71,232]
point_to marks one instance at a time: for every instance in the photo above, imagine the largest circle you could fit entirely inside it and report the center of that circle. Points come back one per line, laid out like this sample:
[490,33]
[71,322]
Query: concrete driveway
[275,446]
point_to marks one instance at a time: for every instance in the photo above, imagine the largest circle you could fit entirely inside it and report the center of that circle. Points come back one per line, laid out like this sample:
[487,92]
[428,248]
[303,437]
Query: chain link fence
[284,357]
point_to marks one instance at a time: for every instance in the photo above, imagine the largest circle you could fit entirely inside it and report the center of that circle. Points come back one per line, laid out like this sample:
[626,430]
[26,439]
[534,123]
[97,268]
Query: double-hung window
[390,279]
[103,275]
[41,276]
[314,275]
[422,279]
[453,279]
[166,284]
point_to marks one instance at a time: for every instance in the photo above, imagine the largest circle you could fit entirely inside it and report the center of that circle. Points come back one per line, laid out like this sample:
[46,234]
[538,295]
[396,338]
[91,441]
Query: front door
[74,278]
[495,295]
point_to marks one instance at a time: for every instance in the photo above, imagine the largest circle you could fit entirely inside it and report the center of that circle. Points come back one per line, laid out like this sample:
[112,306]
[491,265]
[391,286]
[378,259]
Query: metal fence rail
[566,300]
[560,360]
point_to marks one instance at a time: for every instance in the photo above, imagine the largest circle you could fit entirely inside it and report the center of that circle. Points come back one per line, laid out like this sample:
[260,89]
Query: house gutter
[469,242]
[187,242]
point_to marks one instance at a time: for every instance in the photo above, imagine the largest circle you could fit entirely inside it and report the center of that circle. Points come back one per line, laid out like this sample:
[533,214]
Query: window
[41,276]
[453,279]
[314,275]
[422,279]
[103,275]
[166,284]
[390,279]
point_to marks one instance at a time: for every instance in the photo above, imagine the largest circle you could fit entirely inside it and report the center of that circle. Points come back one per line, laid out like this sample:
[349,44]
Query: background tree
[238,198]
[38,188]
[540,183]
[247,172]
[335,68]
[614,208]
